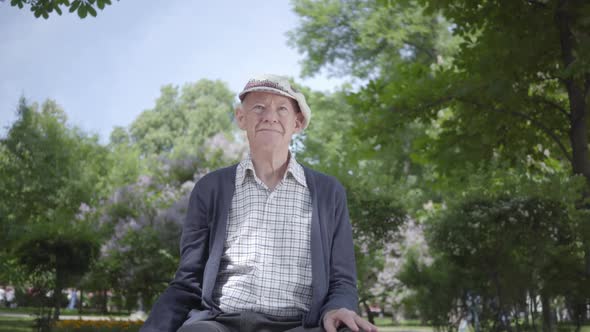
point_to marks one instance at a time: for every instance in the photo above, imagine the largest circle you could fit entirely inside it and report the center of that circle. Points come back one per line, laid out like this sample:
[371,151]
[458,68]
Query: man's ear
[240,115]
[299,122]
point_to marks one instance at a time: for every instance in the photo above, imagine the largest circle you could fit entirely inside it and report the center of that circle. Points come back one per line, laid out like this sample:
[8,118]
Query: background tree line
[105,219]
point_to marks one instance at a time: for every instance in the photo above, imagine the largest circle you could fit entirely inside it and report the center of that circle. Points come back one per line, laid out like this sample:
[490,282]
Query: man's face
[270,120]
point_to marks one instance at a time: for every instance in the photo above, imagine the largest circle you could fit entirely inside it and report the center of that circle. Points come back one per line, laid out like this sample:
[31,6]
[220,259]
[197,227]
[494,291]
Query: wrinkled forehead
[267,98]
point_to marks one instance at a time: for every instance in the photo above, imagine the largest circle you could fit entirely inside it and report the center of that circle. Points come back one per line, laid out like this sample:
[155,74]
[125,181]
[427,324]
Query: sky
[105,70]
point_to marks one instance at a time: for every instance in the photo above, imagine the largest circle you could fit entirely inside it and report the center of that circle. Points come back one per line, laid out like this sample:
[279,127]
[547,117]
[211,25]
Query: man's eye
[283,110]
[258,108]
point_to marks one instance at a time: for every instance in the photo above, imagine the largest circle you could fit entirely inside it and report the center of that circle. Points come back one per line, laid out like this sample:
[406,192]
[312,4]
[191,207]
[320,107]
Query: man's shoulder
[218,176]
[322,180]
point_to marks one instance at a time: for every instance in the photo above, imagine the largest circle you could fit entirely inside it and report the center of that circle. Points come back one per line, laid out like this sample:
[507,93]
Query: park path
[405,329]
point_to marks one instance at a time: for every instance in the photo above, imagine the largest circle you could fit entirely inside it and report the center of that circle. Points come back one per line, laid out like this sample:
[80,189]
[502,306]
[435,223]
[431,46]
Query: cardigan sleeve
[342,291]
[185,291]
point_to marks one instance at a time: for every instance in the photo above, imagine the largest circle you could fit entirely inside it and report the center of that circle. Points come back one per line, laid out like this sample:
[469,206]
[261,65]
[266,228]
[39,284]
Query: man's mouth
[268,129]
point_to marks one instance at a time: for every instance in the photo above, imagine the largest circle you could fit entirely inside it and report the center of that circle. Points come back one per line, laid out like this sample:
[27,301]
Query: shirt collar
[293,168]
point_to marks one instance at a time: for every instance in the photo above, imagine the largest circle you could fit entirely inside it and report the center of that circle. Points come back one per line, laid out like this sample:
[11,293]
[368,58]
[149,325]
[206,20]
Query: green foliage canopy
[376,212]
[491,85]
[182,120]
[368,38]
[47,170]
[155,163]
[506,251]
[45,7]
[513,75]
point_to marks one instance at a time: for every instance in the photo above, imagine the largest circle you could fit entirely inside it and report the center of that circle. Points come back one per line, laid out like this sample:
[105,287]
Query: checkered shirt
[266,261]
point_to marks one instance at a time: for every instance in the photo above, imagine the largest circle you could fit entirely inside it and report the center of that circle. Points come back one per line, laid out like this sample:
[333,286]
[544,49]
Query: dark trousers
[248,322]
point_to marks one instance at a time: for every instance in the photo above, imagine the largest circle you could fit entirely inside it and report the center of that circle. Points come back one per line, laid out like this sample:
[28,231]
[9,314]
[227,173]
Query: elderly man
[267,243]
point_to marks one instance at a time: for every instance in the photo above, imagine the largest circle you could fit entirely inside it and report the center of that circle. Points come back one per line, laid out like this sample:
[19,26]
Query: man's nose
[270,115]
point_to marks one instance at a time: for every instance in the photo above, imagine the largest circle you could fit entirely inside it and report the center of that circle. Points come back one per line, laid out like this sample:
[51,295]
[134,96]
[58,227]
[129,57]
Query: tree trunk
[527,312]
[500,322]
[81,300]
[104,301]
[578,108]
[548,321]
[534,311]
[57,296]
[370,316]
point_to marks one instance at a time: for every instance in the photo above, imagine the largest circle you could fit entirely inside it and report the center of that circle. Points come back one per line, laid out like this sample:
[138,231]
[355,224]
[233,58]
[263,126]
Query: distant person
[73,298]
[463,324]
[10,297]
[267,243]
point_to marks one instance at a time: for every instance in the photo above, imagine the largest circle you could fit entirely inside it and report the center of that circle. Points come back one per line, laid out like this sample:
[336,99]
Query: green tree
[155,163]
[375,212]
[434,289]
[50,171]
[512,83]
[506,236]
[368,38]
[182,121]
[46,7]
[66,251]
[507,251]
[519,77]
[125,160]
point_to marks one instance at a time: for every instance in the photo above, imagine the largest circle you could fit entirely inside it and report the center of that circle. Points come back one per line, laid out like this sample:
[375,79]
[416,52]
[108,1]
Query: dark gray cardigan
[188,297]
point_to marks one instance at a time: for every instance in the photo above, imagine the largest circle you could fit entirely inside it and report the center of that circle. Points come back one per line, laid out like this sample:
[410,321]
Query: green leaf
[91,10]
[74,6]
[58,10]
[100,4]
[82,11]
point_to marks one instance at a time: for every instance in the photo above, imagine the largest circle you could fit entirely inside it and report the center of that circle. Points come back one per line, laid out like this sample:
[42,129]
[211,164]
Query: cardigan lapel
[318,264]
[221,203]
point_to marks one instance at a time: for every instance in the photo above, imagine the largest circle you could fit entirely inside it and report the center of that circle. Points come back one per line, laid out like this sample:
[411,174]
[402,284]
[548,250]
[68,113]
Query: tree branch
[538,3]
[425,50]
[552,104]
[587,85]
[525,116]
[436,102]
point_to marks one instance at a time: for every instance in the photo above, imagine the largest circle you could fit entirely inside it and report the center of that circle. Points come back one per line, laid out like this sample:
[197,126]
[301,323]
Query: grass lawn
[387,325]
[405,329]
[73,312]
[10,324]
